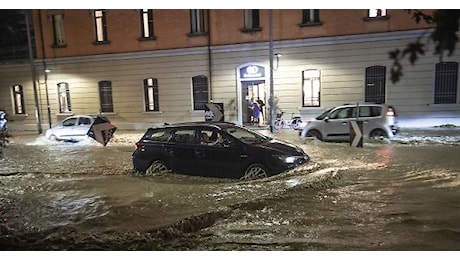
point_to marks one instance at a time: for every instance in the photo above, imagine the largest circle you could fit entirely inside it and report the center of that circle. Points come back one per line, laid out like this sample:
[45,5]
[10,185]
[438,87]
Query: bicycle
[281,122]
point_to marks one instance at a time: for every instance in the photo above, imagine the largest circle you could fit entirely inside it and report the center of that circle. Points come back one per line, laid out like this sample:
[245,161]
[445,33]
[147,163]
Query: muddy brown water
[61,196]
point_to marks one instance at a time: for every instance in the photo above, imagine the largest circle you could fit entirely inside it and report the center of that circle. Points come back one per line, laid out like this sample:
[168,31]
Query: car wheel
[378,134]
[316,134]
[254,171]
[156,167]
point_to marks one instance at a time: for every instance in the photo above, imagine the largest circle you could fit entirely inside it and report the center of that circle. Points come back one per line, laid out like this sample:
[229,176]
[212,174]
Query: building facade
[146,67]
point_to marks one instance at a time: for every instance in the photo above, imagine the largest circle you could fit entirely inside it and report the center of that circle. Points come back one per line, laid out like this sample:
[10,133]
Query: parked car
[74,128]
[214,149]
[379,121]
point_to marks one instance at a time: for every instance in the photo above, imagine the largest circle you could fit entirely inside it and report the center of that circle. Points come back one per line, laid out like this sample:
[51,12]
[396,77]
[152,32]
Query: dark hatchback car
[214,149]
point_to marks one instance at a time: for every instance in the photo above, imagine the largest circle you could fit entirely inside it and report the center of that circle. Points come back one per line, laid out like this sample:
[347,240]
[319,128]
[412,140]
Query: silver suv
[379,121]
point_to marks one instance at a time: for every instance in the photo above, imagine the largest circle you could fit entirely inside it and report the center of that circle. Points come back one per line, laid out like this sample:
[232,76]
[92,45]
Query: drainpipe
[45,69]
[209,56]
[34,74]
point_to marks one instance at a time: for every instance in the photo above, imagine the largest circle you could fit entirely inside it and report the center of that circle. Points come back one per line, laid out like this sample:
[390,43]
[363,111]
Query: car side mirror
[326,119]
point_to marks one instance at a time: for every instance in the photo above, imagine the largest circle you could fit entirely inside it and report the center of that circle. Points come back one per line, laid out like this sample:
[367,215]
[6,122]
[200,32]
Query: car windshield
[246,135]
[324,115]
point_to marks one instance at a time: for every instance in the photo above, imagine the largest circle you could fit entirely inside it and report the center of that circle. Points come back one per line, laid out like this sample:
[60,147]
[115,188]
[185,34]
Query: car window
[211,138]
[324,114]
[342,113]
[245,135]
[183,136]
[157,135]
[369,111]
[70,121]
[84,121]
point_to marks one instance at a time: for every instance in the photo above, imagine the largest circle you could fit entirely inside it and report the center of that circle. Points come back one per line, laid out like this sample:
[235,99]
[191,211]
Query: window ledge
[310,24]
[196,34]
[108,113]
[251,30]
[446,105]
[377,18]
[65,114]
[146,39]
[56,46]
[152,112]
[101,42]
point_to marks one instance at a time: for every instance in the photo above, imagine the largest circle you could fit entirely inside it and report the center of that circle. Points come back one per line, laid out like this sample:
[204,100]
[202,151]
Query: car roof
[219,125]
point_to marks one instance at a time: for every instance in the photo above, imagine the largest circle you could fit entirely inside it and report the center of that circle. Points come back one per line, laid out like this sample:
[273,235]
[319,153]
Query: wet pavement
[389,195]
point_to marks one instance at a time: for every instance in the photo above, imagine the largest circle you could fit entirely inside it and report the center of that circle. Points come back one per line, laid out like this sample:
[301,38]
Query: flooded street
[401,195]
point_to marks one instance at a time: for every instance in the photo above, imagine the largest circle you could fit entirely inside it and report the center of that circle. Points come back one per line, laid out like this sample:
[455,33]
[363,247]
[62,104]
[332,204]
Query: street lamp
[278,56]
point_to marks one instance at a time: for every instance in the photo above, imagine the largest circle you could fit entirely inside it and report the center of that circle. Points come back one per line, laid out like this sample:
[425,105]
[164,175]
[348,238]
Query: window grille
[105,96]
[200,92]
[445,84]
[64,97]
[374,89]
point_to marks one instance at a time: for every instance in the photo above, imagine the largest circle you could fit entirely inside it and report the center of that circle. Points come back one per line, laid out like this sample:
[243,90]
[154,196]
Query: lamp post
[34,74]
[271,99]
[47,95]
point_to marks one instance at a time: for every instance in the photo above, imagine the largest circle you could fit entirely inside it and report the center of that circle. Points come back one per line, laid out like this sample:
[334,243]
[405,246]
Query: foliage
[444,36]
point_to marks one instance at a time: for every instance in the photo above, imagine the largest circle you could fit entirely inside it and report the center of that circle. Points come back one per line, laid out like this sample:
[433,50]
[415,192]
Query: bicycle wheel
[279,124]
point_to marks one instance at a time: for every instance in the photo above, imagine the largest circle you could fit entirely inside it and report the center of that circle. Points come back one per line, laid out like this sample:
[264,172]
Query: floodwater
[399,195]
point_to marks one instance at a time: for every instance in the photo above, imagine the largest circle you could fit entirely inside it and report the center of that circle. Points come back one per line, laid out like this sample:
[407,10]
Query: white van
[379,121]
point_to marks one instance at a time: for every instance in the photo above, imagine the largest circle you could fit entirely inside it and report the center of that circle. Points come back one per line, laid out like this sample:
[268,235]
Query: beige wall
[341,60]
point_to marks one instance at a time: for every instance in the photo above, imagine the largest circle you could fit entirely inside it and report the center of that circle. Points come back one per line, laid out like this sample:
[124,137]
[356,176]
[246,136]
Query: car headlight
[286,159]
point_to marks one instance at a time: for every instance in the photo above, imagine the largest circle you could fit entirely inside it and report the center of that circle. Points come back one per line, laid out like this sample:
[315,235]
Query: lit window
[251,19]
[377,13]
[200,92]
[151,94]
[147,23]
[196,21]
[311,88]
[310,16]
[58,29]
[105,96]
[374,90]
[18,100]
[101,25]
[64,97]
[445,84]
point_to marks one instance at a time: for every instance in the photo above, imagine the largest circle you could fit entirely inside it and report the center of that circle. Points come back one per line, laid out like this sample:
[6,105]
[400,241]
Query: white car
[379,121]
[73,128]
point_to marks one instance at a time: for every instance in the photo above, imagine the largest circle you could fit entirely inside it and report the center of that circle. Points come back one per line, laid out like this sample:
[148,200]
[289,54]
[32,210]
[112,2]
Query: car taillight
[390,112]
[137,145]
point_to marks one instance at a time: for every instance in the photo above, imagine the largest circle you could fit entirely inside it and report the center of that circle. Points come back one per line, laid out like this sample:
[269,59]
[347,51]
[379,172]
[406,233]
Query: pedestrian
[256,111]
[261,106]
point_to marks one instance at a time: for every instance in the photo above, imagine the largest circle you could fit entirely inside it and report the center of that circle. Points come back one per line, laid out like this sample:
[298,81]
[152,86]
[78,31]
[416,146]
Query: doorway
[254,90]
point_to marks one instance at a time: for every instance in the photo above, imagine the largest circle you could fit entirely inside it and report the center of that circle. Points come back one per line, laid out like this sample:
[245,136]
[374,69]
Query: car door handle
[169,151]
[344,123]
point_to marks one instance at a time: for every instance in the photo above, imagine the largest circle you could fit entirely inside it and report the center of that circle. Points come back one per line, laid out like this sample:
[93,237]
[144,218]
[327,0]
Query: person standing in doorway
[255,111]
[261,106]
